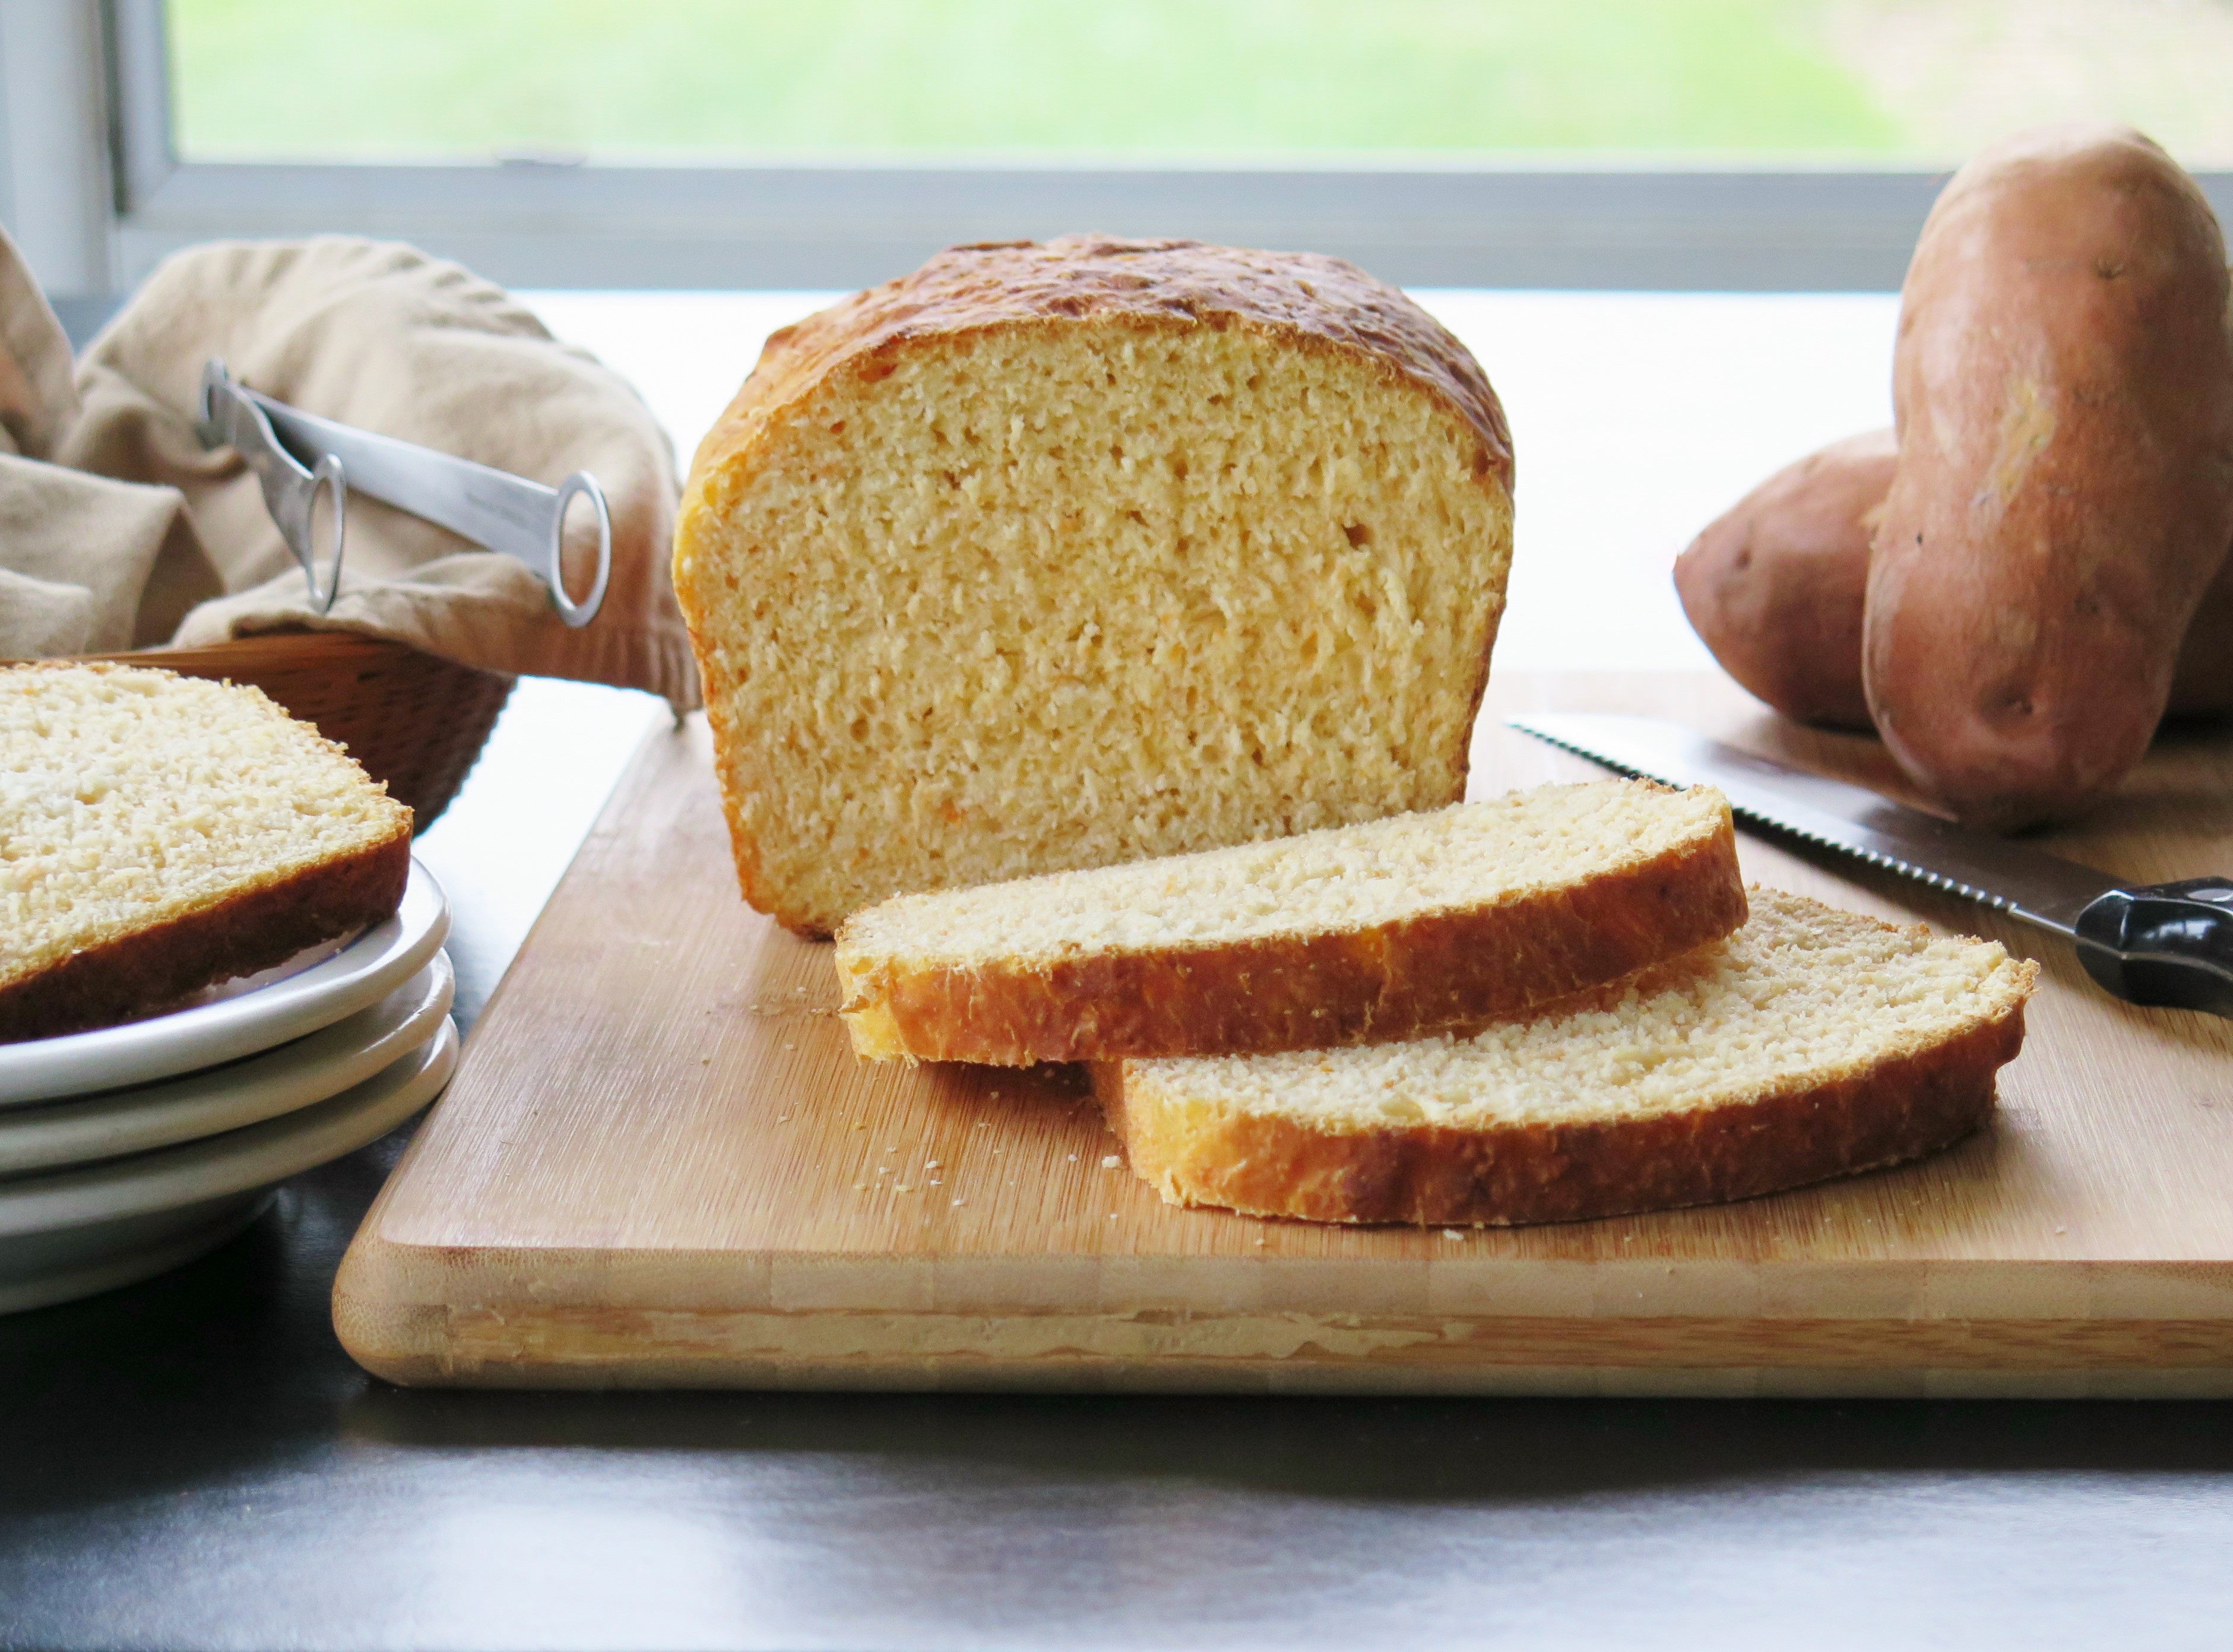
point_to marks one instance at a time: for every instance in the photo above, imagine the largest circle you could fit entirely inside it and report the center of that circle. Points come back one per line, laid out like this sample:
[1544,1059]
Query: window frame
[530,224]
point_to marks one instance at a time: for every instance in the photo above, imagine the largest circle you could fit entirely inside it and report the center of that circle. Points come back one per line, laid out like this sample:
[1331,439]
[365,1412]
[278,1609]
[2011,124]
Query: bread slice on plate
[1059,556]
[1355,932]
[159,834]
[1812,1043]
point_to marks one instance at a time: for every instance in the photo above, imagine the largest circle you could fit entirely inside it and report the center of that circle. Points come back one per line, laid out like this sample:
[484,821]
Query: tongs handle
[508,514]
[230,416]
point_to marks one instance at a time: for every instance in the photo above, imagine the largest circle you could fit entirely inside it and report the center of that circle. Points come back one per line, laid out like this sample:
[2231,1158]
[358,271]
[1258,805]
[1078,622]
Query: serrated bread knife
[2153,943]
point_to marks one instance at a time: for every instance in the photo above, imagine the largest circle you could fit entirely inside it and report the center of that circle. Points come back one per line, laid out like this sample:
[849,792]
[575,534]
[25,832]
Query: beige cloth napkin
[117,531]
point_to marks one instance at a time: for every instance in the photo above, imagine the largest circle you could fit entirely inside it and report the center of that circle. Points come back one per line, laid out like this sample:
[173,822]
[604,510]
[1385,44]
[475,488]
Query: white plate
[247,1091]
[362,973]
[75,1231]
[39,1270]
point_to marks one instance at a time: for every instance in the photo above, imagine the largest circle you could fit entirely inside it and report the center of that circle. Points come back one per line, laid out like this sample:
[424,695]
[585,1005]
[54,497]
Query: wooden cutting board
[661,1165]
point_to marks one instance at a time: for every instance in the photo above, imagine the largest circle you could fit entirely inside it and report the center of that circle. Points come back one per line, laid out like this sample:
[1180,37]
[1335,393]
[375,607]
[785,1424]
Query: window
[1668,144]
[1903,81]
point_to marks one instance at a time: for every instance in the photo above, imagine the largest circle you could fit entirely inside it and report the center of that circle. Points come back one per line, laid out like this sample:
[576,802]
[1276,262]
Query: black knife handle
[2163,943]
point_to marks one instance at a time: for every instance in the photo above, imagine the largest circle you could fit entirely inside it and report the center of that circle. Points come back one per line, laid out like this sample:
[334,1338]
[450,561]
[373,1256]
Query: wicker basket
[412,720]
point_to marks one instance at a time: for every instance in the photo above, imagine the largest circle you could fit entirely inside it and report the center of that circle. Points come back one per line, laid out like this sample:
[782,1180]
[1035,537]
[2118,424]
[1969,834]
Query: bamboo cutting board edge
[1905,1282]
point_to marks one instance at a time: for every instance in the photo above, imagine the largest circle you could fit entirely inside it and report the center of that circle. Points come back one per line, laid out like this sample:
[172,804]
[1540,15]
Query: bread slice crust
[1434,1176]
[1901,1106]
[275,890]
[251,930]
[1387,981]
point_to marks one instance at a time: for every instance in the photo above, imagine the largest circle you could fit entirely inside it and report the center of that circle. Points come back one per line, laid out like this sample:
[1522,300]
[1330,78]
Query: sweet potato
[1774,587]
[2202,682]
[2063,388]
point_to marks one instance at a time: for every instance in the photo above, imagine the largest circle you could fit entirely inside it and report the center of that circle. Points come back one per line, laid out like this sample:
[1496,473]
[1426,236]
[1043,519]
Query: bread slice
[160,833]
[1063,556]
[1351,934]
[1812,1043]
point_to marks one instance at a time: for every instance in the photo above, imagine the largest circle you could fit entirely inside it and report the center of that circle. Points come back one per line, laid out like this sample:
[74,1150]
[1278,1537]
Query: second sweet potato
[1774,587]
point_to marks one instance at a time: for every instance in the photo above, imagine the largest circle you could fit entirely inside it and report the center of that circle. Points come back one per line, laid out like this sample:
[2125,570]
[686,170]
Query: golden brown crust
[1392,981]
[2064,496]
[253,930]
[1434,1175]
[1305,300]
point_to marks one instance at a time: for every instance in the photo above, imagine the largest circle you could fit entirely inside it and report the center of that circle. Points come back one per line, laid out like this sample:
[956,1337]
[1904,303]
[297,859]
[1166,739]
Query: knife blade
[2157,944]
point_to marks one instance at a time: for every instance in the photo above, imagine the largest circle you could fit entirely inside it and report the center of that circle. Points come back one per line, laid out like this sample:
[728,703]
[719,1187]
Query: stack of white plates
[134,1148]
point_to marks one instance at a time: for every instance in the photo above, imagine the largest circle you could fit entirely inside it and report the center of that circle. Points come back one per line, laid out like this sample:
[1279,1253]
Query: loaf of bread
[1812,1043]
[1052,556]
[1344,935]
[159,834]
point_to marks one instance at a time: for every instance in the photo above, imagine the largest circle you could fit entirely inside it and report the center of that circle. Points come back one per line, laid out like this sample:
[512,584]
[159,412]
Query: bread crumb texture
[131,798]
[1349,878]
[1804,995]
[1051,557]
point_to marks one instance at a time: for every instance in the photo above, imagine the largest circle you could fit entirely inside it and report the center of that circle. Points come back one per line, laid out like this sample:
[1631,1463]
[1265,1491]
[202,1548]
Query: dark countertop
[194,1462]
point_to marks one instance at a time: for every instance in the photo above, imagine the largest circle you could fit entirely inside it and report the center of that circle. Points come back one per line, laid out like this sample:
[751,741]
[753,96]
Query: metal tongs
[295,455]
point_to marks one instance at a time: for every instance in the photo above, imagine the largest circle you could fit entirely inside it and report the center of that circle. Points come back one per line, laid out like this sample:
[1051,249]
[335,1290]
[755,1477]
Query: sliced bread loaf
[160,833]
[1354,932]
[1812,1043]
[1061,556]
